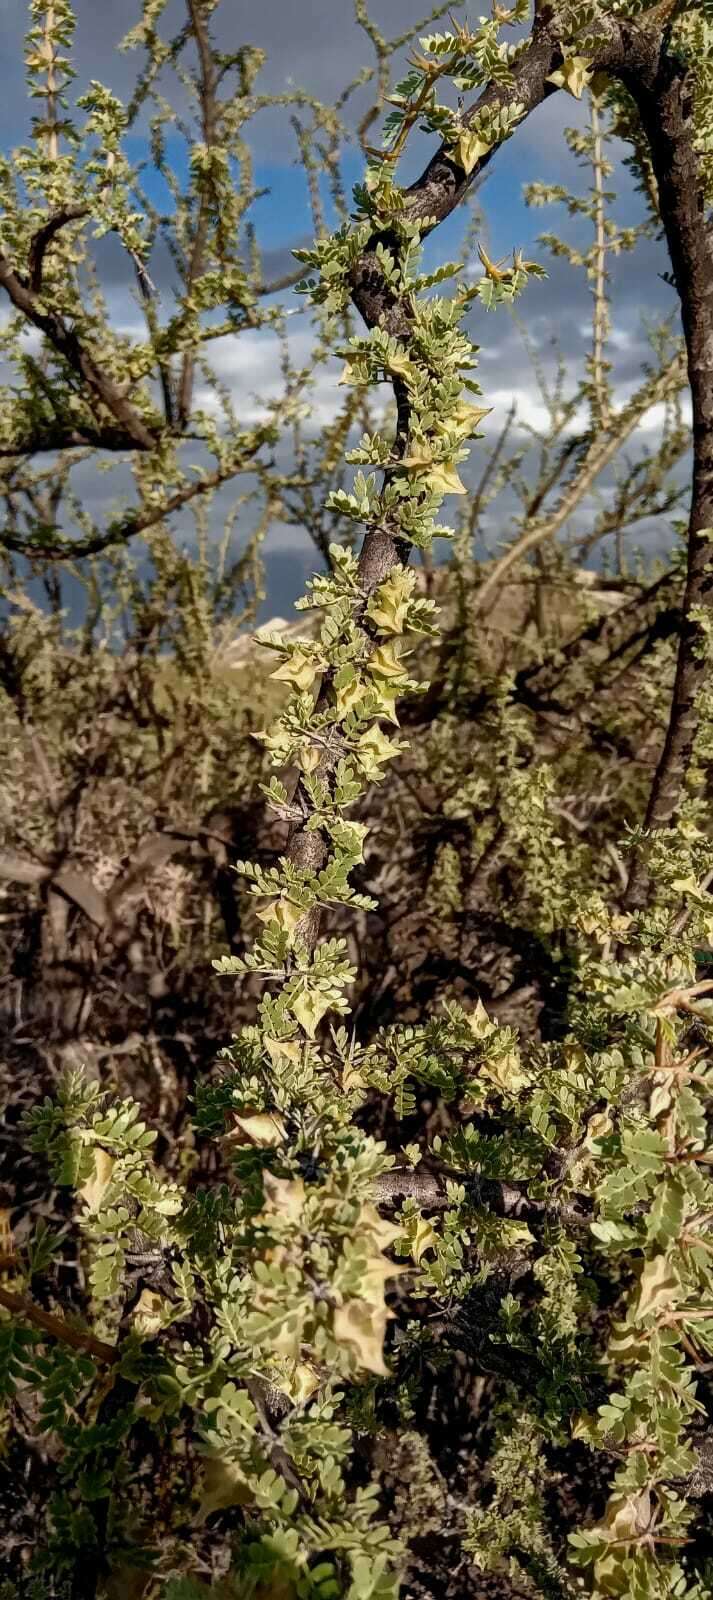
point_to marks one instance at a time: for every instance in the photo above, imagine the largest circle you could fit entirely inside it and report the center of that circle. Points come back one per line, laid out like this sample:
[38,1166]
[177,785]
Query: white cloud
[531,411]
[654,420]
[249,365]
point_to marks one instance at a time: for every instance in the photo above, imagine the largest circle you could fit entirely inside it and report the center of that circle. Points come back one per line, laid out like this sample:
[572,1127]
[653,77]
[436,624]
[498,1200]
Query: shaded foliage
[420,1302]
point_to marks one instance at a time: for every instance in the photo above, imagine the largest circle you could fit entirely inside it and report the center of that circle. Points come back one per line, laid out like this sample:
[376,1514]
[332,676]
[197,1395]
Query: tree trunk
[665,106]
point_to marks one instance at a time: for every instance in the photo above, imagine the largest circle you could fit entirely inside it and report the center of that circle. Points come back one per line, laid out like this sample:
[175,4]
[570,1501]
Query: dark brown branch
[147,291]
[55,436]
[664,99]
[608,634]
[278,285]
[435,195]
[21,1306]
[68,344]
[503,1199]
[124,528]
[634,52]
[43,238]
[443,184]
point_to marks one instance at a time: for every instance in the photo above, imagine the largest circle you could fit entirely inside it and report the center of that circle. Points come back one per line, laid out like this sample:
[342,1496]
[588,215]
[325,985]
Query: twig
[209,105]
[69,345]
[138,521]
[21,1306]
[602,449]
[502,1198]
[600,325]
[44,236]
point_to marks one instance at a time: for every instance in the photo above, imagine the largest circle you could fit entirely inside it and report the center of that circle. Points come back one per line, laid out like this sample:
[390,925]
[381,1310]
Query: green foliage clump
[243,1344]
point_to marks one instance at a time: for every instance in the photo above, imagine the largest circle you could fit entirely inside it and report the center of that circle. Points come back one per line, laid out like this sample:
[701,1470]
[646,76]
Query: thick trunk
[633,51]
[665,105]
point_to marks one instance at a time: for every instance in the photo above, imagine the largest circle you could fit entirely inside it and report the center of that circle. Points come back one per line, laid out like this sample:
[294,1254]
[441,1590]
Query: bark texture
[664,98]
[636,53]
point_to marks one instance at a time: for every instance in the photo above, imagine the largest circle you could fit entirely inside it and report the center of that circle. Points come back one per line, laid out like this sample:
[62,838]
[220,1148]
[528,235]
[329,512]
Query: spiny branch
[124,528]
[632,51]
[209,108]
[503,1199]
[43,238]
[103,388]
[21,1306]
[664,102]
[602,449]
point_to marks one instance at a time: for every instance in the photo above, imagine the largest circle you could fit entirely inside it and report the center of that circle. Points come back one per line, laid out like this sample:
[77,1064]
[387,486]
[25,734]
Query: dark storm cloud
[313,43]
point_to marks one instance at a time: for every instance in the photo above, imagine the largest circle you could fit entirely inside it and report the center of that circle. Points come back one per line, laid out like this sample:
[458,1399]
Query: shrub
[249,1348]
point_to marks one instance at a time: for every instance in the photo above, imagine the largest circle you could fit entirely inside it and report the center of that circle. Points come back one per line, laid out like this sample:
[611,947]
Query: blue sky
[315,44]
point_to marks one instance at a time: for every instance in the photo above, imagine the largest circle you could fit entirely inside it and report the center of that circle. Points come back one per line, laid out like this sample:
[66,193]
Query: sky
[316,45]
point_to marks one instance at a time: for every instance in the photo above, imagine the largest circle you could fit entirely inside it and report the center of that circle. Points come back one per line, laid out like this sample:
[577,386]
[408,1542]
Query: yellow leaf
[422,1239]
[470,149]
[309,1008]
[280,1049]
[385,661]
[659,1287]
[628,1515]
[288,1341]
[361,1327]
[264,1129]
[584,1427]
[573,75]
[374,746]
[383,1233]
[465,419]
[399,363]
[223,1484]
[284,912]
[479,1022]
[349,695]
[286,1196]
[687,885]
[417,458]
[350,374]
[147,1318]
[378,1271]
[309,758]
[300,669]
[386,694]
[388,605]
[626,1344]
[443,479]
[610,1572]
[352,1078]
[660,1100]
[94,1187]
[506,1072]
[296,1379]
[598,1126]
